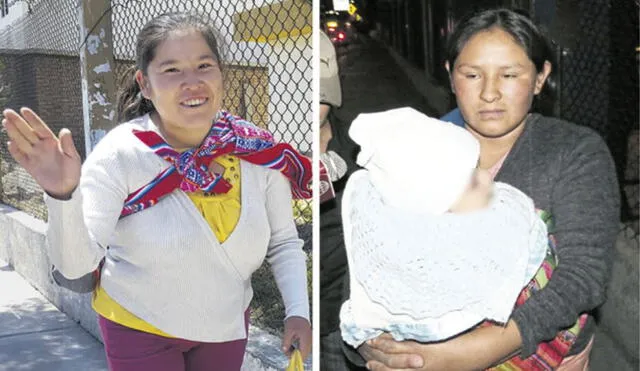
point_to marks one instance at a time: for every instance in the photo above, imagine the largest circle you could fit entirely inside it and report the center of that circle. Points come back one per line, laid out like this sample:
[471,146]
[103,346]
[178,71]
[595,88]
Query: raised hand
[52,161]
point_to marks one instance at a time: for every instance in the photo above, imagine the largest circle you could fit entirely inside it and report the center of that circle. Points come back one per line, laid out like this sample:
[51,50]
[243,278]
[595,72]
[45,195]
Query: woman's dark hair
[131,103]
[524,32]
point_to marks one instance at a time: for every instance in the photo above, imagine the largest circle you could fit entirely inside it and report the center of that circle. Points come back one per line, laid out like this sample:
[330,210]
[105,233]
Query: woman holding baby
[500,67]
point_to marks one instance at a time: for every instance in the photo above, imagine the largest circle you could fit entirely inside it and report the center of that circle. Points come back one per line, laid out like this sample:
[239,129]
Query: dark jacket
[333,259]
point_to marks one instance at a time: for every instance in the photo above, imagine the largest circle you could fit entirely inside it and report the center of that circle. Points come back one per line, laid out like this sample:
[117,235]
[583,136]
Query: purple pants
[132,350]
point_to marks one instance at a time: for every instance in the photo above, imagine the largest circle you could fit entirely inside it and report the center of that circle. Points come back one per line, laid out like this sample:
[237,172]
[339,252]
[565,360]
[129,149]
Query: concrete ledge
[23,247]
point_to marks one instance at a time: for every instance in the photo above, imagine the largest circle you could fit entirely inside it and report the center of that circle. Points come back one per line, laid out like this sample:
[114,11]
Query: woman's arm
[288,263]
[475,350]
[79,229]
[585,204]
[285,247]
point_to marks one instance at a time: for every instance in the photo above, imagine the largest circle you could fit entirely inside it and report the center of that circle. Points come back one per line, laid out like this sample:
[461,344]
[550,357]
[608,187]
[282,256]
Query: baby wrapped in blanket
[434,246]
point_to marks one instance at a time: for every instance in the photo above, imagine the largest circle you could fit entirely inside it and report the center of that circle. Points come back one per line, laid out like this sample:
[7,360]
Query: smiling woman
[179,81]
[176,208]
[186,91]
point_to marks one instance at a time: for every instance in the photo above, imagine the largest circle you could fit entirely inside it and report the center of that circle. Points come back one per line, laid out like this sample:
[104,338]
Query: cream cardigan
[164,264]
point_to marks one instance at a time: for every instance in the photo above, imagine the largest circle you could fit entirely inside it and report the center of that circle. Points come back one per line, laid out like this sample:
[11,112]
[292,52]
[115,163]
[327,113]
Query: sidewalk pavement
[372,81]
[36,336]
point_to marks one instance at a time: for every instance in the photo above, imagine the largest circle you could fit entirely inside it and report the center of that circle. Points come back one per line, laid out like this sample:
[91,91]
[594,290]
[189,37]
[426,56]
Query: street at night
[372,81]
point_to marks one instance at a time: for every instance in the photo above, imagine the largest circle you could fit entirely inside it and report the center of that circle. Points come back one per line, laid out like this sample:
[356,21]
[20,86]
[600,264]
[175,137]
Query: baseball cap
[330,92]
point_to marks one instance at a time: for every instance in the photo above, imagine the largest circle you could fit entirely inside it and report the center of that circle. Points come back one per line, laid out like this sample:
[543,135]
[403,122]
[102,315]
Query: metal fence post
[97,70]
[408,33]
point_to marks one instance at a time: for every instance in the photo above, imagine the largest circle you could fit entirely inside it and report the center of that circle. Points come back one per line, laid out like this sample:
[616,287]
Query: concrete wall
[23,247]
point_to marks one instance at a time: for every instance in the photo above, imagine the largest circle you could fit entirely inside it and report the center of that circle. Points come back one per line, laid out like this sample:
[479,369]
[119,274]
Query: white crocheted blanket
[430,277]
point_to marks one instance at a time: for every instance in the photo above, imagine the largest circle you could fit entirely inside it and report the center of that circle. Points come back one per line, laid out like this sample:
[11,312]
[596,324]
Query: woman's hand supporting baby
[477,349]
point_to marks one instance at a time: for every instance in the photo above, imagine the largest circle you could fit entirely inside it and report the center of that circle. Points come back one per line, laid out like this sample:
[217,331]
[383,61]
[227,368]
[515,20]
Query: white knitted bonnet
[429,182]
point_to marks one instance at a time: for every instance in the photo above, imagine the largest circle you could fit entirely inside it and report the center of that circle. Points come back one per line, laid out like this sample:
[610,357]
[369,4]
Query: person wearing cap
[412,272]
[330,99]
[337,152]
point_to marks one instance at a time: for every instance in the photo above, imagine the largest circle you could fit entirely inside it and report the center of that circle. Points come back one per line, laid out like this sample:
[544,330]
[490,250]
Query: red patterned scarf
[228,135]
[549,355]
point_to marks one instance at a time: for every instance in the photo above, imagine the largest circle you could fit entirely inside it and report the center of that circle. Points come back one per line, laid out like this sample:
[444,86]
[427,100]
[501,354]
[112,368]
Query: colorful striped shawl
[548,355]
[228,135]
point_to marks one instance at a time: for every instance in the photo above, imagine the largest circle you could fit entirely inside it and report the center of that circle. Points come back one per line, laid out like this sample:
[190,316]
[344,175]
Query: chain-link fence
[266,47]
[624,116]
[598,67]
[39,57]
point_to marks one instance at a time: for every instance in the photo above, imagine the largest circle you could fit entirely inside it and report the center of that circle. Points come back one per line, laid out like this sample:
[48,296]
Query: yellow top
[221,211]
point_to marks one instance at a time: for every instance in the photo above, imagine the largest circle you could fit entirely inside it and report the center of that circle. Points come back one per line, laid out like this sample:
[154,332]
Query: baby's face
[477,194]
